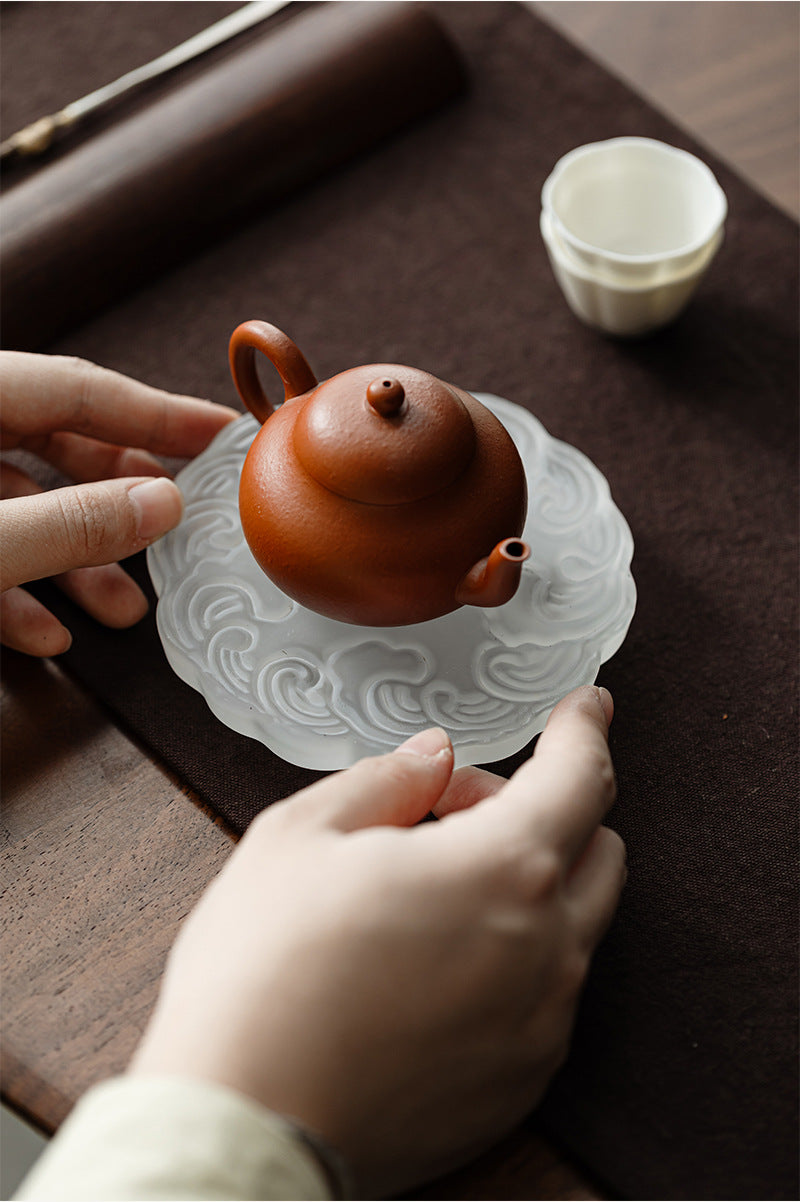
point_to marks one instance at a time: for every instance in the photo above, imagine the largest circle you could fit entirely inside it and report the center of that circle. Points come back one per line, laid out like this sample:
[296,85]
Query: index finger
[560,796]
[44,393]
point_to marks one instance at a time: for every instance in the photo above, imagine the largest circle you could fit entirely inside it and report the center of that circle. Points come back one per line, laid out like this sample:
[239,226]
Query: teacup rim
[619,257]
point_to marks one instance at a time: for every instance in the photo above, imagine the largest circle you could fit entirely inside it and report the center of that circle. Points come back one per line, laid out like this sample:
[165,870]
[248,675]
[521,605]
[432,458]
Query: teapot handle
[252,336]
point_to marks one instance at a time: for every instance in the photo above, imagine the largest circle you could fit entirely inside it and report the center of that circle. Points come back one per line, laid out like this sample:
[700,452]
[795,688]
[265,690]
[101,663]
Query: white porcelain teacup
[624,308]
[634,209]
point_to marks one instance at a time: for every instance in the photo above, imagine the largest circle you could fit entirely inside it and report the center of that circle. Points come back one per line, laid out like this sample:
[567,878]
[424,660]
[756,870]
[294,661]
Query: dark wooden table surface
[84,929]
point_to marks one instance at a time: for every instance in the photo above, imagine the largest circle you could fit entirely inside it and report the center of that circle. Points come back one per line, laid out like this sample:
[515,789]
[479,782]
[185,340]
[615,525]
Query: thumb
[397,789]
[84,525]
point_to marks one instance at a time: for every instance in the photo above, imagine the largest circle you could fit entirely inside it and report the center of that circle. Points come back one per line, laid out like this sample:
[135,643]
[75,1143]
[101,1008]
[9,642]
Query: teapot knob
[386,396]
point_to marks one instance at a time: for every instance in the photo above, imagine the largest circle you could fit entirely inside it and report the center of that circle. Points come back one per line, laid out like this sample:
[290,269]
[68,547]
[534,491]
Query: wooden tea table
[106,853]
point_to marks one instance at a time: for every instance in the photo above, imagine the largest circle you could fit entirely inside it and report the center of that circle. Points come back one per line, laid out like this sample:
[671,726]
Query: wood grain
[729,73]
[104,856]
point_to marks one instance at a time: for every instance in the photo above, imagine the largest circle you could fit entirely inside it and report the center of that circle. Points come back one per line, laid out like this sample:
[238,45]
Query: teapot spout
[494,579]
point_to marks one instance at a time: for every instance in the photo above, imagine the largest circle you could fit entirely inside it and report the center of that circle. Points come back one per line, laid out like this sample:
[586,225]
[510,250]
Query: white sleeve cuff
[144,1138]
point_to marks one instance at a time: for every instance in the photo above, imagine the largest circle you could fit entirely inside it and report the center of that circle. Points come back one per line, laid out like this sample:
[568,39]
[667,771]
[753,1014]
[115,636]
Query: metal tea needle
[36,138]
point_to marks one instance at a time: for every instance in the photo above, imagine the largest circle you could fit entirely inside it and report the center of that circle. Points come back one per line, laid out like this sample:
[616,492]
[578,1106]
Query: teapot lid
[384,434]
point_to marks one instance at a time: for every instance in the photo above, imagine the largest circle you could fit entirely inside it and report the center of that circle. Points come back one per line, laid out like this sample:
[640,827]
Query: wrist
[329,1161]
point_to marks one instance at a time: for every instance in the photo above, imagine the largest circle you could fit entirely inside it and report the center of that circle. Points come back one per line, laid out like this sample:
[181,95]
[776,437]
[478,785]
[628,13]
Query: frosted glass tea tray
[323,694]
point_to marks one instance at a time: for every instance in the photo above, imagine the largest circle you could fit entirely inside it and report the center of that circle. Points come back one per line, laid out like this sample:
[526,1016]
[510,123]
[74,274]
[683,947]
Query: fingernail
[158,506]
[426,743]
[607,702]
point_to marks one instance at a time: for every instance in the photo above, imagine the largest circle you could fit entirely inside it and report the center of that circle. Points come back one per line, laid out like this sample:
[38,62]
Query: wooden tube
[161,184]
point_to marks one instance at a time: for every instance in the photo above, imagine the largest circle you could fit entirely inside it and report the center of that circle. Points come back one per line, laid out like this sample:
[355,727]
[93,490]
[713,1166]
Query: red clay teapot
[382,496]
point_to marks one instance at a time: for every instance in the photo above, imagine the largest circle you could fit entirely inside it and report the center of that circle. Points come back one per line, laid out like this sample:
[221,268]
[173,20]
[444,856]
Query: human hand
[103,430]
[405,991]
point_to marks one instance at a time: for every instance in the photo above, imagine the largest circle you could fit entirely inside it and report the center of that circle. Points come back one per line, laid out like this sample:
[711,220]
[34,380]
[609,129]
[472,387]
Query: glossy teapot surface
[382,496]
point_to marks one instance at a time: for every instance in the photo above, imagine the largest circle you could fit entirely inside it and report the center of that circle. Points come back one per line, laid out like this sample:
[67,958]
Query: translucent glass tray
[323,694]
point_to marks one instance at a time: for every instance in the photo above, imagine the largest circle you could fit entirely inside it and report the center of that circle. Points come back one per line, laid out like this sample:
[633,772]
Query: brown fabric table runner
[682,1080]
